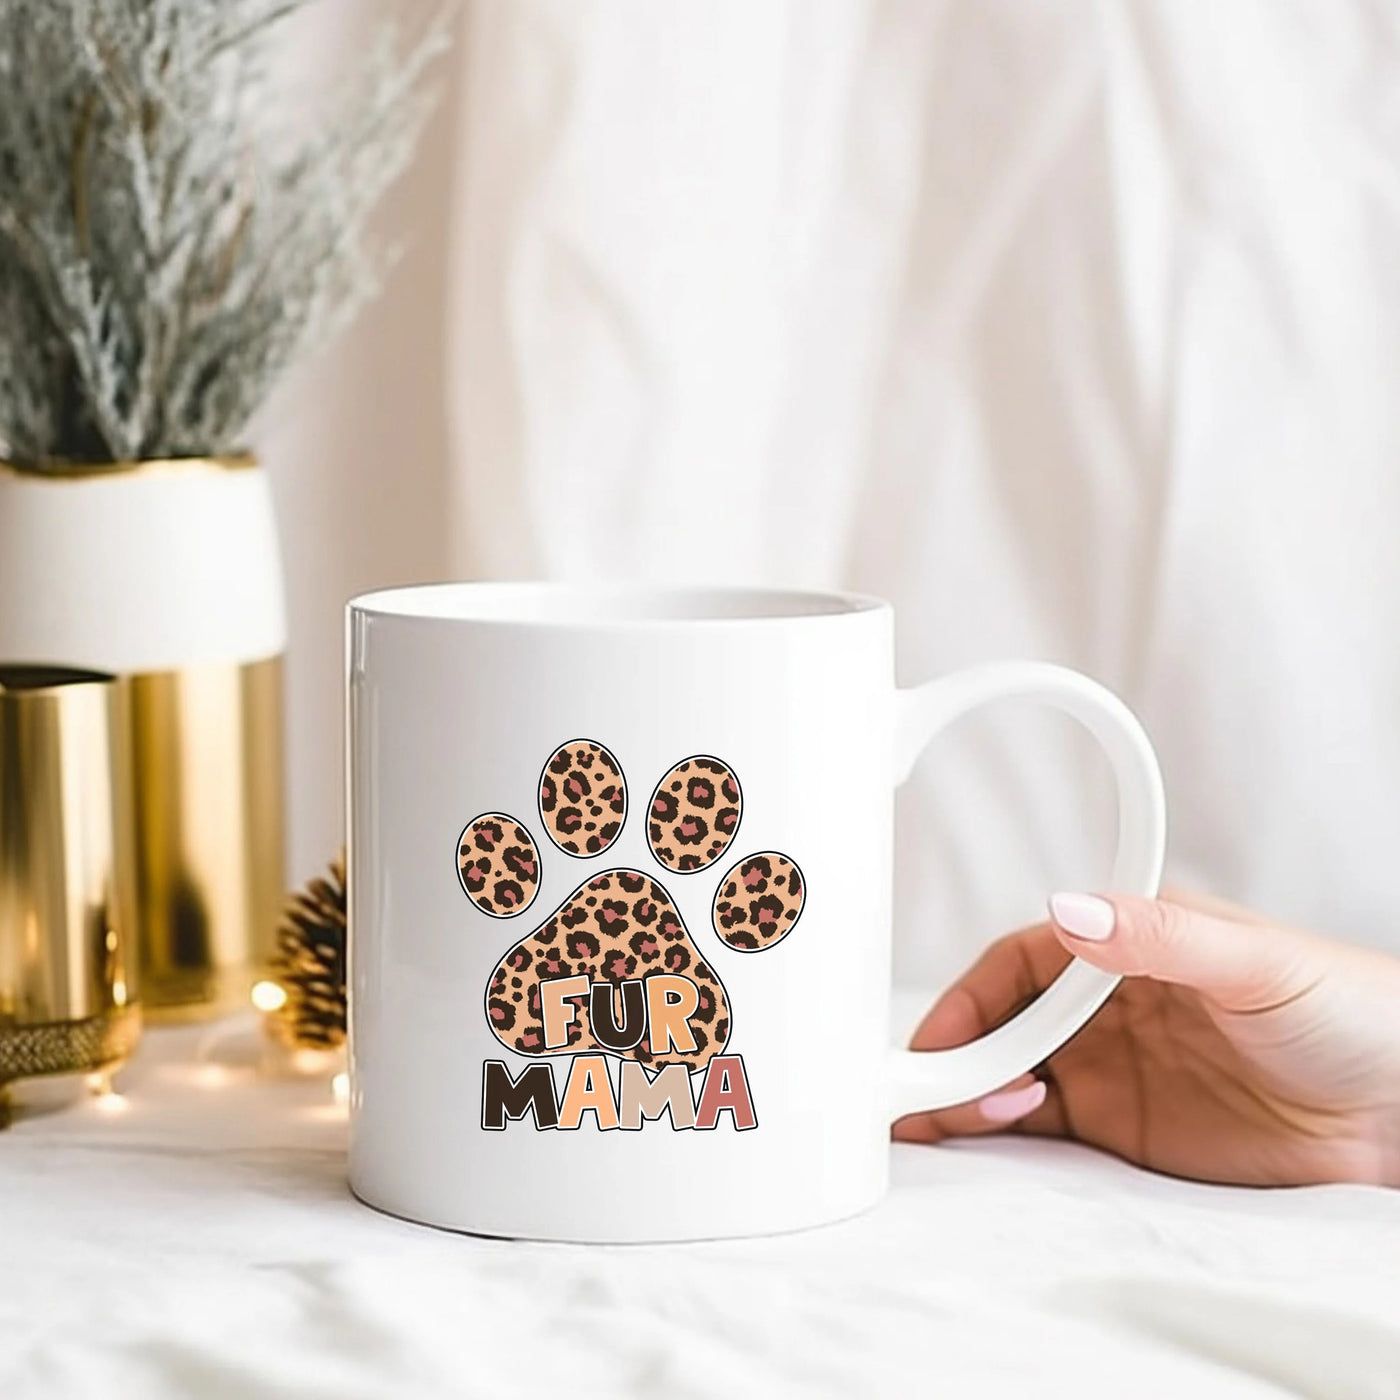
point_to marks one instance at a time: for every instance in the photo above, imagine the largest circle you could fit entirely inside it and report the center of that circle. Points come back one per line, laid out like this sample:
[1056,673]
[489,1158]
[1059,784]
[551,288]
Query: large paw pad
[613,969]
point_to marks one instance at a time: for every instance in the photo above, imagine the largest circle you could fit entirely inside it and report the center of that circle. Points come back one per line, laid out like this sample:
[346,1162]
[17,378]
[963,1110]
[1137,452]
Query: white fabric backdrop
[1070,327]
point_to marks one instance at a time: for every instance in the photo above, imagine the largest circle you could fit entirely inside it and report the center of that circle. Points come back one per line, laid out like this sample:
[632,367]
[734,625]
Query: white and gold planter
[168,574]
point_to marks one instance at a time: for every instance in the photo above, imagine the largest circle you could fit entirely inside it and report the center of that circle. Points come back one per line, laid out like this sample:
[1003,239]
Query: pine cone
[310,964]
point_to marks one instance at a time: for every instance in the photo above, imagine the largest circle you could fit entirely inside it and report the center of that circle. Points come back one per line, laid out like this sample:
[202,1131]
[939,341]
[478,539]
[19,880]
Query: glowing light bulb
[268,996]
[340,1088]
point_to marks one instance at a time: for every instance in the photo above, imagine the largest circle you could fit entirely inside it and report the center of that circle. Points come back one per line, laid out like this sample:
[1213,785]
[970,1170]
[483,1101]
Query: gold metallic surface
[69,1047]
[207,757]
[68,976]
[155,466]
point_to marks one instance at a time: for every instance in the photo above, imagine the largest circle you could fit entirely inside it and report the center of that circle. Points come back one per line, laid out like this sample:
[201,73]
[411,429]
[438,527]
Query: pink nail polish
[1083,915]
[1011,1104]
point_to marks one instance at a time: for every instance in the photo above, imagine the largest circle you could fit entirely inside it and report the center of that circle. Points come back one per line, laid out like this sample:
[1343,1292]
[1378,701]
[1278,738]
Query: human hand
[1235,1050]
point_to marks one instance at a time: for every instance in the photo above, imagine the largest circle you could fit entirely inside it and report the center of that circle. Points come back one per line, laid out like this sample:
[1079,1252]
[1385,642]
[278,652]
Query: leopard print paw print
[618,943]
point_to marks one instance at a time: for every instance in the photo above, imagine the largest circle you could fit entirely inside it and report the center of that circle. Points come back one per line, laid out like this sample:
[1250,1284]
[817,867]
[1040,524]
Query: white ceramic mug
[620,881]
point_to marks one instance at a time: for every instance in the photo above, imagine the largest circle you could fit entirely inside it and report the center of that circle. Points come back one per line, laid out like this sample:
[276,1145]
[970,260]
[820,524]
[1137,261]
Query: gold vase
[167,574]
[68,964]
[207,753]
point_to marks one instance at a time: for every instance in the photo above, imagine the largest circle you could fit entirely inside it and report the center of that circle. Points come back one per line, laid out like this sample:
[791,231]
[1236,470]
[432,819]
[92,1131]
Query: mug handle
[932,1079]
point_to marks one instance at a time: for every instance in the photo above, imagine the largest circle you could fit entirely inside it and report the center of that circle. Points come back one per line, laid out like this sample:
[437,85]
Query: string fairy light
[268,996]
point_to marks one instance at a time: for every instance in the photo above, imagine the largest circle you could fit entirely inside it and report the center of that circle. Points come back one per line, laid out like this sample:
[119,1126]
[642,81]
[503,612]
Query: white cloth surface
[201,1242]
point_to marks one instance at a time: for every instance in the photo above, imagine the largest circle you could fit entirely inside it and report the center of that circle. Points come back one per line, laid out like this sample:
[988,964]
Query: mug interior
[603,604]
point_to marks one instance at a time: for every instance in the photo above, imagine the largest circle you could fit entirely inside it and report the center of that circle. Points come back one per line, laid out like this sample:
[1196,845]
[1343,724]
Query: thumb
[1240,966]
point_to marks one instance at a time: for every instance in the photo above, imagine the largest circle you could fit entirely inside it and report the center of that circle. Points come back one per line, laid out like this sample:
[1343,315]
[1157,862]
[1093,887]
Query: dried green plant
[166,249]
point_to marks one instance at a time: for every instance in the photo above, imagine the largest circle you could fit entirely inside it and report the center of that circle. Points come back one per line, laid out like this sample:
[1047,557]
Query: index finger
[1012,972]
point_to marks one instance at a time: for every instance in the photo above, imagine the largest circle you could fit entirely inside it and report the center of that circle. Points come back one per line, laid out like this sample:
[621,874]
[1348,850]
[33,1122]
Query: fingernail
[1083,915]
[1011,1104]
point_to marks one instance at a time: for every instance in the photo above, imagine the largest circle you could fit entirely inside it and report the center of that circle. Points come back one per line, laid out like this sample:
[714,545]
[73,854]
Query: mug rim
[514,603]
